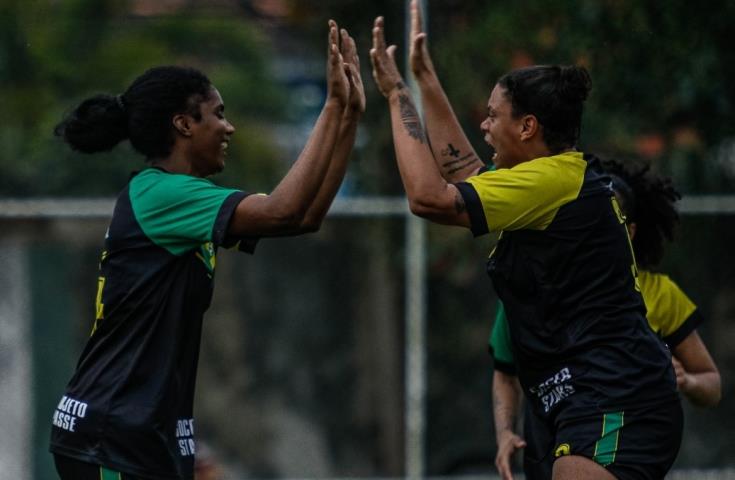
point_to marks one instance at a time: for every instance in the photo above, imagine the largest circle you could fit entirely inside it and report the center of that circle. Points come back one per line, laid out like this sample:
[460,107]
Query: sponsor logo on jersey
[185,436]
[68,412]
[554,389]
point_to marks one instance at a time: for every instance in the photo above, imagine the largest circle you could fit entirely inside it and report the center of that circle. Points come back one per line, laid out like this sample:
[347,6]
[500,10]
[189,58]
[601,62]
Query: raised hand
[419,58]
[338,85]
[385,71]
[357,90]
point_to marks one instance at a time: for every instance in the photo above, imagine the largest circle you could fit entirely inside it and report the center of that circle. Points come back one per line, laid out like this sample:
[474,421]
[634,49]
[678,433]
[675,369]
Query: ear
[529,127]
[182,124]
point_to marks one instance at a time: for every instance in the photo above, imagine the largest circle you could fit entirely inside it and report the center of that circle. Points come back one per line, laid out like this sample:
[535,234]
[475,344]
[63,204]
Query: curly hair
[649,201]
[142,114]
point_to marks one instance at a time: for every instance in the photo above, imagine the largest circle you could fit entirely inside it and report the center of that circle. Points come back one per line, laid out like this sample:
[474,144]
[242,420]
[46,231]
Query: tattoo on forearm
[459,203]
[457,165]
[410,118]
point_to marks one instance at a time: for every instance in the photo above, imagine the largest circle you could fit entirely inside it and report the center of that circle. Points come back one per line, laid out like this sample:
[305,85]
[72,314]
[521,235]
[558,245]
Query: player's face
[502,130]
[211,136]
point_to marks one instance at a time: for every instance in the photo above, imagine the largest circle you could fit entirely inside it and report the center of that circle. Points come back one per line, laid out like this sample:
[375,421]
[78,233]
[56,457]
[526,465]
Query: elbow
[310,225]
[288,221]
[716,395]
[420,207]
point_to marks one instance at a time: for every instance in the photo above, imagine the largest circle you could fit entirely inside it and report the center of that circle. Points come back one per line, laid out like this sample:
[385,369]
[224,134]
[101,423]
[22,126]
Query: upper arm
[446,206]
[693,354]
[262,215]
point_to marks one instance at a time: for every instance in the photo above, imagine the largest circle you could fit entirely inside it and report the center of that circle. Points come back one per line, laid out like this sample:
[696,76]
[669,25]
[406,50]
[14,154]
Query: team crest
[207,255]
[562,450]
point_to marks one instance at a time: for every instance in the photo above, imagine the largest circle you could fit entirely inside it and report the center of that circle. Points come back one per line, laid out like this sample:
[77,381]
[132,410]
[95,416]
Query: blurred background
[359,351]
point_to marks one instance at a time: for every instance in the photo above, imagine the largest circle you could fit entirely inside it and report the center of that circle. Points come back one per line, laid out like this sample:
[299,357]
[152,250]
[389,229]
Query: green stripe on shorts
[607,446]
[107,474]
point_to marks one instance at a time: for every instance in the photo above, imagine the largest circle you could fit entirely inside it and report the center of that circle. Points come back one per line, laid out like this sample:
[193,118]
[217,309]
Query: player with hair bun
[127,412]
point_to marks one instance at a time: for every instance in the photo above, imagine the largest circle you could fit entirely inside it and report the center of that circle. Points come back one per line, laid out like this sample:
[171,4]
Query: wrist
[427,79]
[334,102]
[352,113]
[505,433]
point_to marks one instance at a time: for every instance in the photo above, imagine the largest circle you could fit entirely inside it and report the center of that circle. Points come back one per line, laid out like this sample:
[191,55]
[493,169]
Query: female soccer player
[563,266]
[127,411]
[648,202]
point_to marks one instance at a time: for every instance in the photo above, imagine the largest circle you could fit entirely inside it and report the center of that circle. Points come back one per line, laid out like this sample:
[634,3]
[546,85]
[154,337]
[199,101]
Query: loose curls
[649,201]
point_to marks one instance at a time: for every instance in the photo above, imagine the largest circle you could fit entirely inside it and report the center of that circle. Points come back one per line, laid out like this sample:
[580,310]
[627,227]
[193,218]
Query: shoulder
[657,285]
[557,173]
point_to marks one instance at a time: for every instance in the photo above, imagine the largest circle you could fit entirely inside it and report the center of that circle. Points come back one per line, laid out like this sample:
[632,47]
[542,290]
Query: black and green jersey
[564,270]
[129,404]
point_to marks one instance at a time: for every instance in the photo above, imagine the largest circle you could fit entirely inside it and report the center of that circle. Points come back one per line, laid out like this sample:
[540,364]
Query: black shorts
[635,444]
[71,469]
[538,456]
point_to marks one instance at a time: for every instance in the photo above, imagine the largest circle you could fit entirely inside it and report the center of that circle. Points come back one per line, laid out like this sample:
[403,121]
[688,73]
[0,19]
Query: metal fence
[415,293]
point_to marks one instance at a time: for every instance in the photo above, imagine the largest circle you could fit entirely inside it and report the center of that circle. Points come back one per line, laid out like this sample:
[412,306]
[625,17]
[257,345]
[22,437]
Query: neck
[175,162]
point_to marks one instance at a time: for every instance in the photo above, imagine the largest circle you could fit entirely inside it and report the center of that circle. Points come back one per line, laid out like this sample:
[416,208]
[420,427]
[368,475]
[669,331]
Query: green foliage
[661,74]
[54,54]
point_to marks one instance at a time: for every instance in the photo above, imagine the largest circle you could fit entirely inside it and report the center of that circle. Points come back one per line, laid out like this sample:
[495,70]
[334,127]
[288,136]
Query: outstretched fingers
[416,20]
[352,69]
[385,70]
[338,86]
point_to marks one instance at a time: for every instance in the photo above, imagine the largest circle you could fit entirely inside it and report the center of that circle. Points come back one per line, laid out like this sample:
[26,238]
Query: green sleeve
[181,212]
[500,343]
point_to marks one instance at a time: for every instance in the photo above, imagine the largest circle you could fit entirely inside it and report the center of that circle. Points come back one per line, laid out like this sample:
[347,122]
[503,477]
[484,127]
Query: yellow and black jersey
[670,314]
[564,270]
[129,404]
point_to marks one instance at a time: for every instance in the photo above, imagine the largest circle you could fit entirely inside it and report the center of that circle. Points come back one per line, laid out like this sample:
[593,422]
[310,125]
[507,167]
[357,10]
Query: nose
[230,128]
[483,125]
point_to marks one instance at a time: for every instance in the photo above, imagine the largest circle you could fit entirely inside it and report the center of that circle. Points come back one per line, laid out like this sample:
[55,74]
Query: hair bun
[97,124]
[575,82]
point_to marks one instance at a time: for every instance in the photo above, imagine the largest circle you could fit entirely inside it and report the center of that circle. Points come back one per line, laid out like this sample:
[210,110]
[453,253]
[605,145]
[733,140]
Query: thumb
[519,443]
[391,51]
[420,41]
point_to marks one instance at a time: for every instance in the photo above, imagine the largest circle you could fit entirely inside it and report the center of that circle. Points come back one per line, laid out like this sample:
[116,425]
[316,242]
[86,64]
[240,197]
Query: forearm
[296,192]
[453,152]
[506,403]
[703,389]
[336,171]
[419,172]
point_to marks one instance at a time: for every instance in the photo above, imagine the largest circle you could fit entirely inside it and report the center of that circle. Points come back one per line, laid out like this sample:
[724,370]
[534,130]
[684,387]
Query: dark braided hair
[555,95]
[649,201]
[142,114]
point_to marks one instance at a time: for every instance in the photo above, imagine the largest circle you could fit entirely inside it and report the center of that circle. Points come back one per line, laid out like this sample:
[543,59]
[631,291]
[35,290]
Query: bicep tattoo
[410,118]
[459,204]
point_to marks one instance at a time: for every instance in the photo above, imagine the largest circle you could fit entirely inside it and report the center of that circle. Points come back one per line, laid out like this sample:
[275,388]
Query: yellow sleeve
[529,195]
[668,306]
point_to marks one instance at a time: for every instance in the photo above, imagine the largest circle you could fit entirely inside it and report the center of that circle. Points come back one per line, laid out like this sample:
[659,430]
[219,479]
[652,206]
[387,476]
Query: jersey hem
[120,467]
